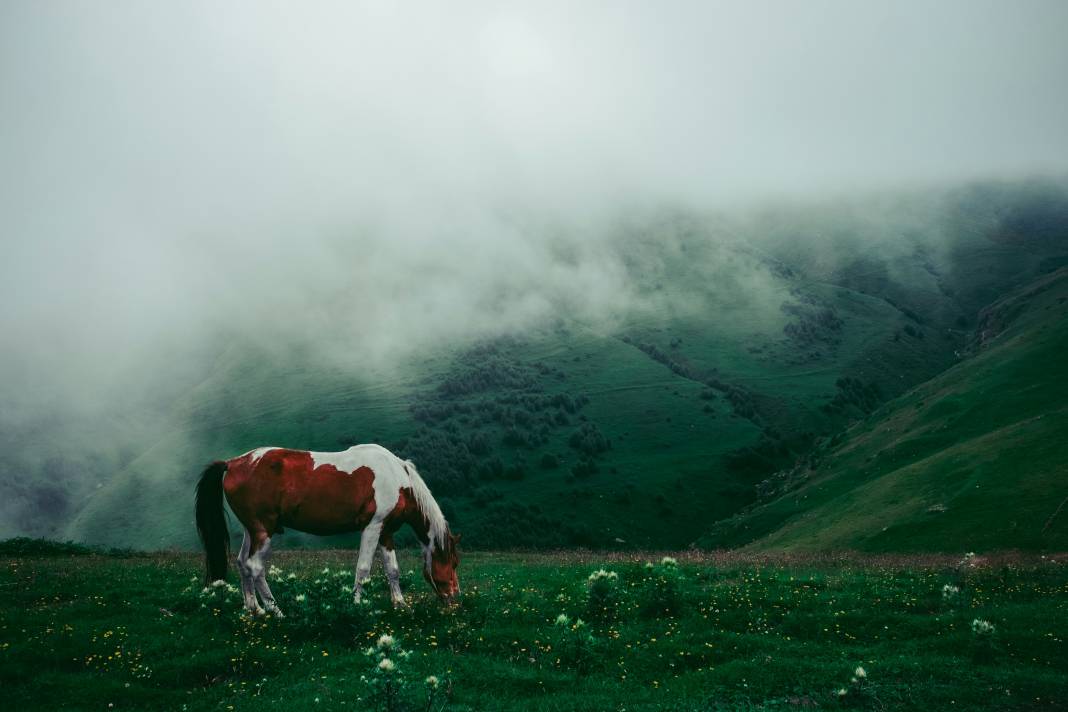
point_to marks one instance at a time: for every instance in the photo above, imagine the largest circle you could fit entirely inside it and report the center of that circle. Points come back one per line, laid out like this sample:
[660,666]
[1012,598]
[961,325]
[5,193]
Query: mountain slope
[972,459]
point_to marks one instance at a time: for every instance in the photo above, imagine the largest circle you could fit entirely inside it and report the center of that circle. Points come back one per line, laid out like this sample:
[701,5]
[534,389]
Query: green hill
[747,343]
[975,458]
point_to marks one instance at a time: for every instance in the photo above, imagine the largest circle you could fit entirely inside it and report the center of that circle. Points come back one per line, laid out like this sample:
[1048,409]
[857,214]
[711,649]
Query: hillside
[973,459]
[746,344]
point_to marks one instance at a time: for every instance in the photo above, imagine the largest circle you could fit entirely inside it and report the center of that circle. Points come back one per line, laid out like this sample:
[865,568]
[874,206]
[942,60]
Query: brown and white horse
[365,487]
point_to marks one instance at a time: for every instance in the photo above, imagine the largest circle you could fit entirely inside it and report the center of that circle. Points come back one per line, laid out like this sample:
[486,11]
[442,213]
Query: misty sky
[397,171]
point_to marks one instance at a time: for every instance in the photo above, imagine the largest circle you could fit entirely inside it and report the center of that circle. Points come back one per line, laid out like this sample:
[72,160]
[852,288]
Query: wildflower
[981,627]
[301,598]
[291,577]
[432,682]
[579,623]
[385,642]
[562,619]
[949,592]
[218,583]
[860,672]
[669,562]
[602,574]
[369,652]
[842,692]
[386,665]
[326,570]
[648,564]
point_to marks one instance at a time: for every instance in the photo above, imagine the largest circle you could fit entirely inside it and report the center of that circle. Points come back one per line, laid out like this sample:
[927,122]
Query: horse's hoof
[277,613]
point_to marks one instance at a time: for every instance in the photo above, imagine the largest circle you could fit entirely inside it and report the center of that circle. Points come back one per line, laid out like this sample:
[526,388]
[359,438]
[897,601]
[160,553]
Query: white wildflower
[326,571]
[369,652]
[602,574]
[842,692]
[579,623]
[562,619]
[301,598]
[386,665]
[981,627]
[860,672]
[385,642]
[291,577]
[949,592]
[218,583]
[669,561]
[432,682]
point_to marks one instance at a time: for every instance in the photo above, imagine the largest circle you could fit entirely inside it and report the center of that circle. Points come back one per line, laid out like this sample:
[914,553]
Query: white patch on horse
[390,475]
[256,454]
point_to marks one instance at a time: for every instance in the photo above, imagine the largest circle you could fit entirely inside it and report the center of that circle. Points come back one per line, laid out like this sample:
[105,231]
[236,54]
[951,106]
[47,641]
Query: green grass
[721,631]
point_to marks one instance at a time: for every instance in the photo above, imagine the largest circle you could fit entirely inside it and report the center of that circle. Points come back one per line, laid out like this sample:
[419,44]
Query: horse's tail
[211,520]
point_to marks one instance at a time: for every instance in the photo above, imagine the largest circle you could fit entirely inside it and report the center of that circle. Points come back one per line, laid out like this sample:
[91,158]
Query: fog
[376,178]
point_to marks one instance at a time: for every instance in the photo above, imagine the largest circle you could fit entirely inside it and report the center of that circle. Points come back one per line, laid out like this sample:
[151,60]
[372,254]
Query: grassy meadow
[82,630]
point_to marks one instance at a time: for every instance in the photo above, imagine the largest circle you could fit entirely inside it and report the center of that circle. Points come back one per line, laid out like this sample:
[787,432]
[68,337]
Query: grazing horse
[365,487]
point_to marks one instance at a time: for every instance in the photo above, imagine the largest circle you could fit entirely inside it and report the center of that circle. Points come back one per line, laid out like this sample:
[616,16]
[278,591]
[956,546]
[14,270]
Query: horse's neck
[420,525]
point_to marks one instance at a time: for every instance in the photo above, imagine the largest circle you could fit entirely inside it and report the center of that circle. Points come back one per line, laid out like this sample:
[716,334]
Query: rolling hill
[974,458]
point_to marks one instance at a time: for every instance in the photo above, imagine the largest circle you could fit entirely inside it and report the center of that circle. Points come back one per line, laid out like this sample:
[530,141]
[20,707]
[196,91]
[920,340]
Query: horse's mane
[439,528]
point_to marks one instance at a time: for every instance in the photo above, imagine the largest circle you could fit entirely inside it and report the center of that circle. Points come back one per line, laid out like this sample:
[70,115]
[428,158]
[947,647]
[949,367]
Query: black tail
[211,520]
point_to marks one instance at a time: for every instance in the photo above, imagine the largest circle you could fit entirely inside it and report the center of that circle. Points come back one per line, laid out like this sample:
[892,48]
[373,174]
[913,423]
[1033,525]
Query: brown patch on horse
[283,488]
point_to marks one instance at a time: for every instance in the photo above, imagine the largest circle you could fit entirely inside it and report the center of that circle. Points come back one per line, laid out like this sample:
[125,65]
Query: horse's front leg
[368,544]
[389,563]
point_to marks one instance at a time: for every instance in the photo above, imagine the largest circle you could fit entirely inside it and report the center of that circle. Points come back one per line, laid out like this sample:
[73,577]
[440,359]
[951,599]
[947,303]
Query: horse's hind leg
[257,562]
[248,586]
[389,563]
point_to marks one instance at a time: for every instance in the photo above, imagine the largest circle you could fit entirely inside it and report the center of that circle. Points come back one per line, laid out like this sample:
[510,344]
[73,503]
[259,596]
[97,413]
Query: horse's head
[440,568]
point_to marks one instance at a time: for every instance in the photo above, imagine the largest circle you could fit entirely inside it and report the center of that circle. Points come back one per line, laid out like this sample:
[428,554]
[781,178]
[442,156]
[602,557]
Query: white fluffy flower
[562,619]
[860,672]
[842,692]
[602,574]
[301,598]
[386,665]
[385,642]
[432,682]
[981,627]
[669,561]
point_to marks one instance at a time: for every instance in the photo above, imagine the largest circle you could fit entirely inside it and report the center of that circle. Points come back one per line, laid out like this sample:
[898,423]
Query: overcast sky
[165,165]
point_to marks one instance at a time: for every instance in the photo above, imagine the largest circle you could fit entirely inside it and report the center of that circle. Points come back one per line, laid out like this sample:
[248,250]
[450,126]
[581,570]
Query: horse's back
[315,492]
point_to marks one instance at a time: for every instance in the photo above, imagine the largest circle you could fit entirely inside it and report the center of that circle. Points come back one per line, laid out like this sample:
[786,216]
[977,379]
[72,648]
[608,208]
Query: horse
[365,488]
